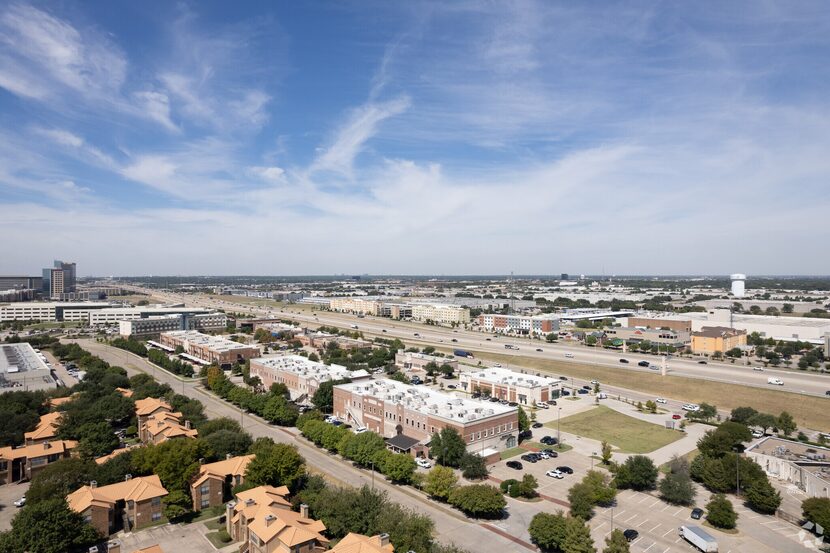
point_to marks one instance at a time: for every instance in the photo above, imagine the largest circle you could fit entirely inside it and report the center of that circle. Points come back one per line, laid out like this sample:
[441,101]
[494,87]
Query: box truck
[698,537]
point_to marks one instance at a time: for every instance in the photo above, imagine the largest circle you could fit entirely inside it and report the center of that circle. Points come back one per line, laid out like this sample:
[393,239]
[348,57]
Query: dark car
[643,363]
[537,425]
[525,435]
[697,512]
[631,534]
[582,391]
[565,393]
[549,440]
[827,393]
[453,340]
[586,387]
[476,395]
[565,469]
[623,360]
[514,465]
[551,402]
[529,458]
[701,362]
[551,453]
[539,349]
[563,378]
[488,339]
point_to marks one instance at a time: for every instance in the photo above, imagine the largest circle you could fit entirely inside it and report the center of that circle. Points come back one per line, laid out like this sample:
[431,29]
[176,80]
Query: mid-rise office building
[207,349]
[22,368]
[301,376]
[441,314]
[355,305]
[17,282]
[391,408]
[511,386]
[519,324]
[17,294]
[680,325]
[155,325]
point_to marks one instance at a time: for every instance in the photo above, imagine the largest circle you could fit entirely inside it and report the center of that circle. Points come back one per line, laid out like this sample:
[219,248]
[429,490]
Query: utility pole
[558,433]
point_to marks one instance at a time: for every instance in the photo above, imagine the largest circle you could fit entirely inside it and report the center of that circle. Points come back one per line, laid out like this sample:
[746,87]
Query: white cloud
[156,106]
[272,174]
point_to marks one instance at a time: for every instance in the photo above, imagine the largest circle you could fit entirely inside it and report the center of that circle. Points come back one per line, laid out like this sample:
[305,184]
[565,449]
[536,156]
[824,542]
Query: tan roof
[149,405]
[136,489]
[286,526]
[234,466]
[104,458]
[125,392]
[58,401]
[46,429]
[151,549]
[358,543]
[168,425]
[38,450]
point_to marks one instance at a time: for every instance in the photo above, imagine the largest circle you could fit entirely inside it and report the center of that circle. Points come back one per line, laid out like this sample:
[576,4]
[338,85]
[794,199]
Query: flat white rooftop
[427,401]
[301,366]
[501,375]
[216,343]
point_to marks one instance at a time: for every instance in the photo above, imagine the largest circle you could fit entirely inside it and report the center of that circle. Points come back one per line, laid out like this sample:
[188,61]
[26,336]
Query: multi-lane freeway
[419,334]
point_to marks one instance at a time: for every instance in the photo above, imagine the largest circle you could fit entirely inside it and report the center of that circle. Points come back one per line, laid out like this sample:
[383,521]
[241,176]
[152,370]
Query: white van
[775,381]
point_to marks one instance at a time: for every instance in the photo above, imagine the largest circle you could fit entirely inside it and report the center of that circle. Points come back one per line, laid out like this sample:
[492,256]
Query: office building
[682,325]
[301,376]
[519,324]
[803,465]
[418,361]
[441,314]
[630,335]
[54,282]
[154,325]
[390,408]
[17,294]
[524,389]
[129,505]
[712,339]
[69,276]
[205,349]
[18,282]
[22,368]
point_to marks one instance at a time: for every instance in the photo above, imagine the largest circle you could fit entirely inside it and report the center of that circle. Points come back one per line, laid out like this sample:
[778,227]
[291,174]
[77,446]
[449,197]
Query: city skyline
[468,138]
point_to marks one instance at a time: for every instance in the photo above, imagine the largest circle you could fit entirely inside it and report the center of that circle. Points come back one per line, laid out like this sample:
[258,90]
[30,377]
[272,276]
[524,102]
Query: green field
[627,434]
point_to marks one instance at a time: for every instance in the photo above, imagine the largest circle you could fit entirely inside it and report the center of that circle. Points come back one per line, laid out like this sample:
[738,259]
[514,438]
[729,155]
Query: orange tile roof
[168,426]
[234,466]
[58,401]
[46,429]
[104,458]
[286,526]
[140,488]
[358,543]
[125,392]
[149,405]
[38,450]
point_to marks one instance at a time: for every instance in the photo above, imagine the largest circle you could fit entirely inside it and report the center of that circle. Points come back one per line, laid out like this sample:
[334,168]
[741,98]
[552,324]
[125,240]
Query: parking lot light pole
[594,454]
[558,433]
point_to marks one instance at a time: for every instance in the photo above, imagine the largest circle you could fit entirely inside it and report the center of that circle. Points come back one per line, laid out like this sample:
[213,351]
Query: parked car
[515,465]
[757,434]
[565,393]
[551,453]
[537,425]
[586,387]
[691,407]
[360,430]
[661,400]
[541,405]
[697,512]
[423,463]
[760,369]
[555,474]
[451,387]
[529,458]
[542,455]
[582,391]
[564,378]
[631,534]
[595,382]
[623,360]
[20,502]
[676,417]
[525,435]
[551,402]
[549,440]
[565,469]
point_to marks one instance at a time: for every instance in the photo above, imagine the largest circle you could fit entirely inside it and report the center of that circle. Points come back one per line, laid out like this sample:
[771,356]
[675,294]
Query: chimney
[93,484]
[201,460]
[304,510]
[269,518]
[249,502]
[46,444]
[187,424]
[128,477]
[384,539]
[228,456]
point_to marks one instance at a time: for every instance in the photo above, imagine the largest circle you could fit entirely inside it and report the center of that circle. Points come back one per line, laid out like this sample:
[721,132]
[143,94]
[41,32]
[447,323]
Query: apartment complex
[213,485]
[127,505]
[669,324]
[158,423]
[18,463]
[803,465]
[441,314]
[261,518]
[519,324]
[712,339]
[209,349]
[524,389]
[358,543]
[412,360]
[154,325]
[676,338]
[301,376]
[46,429]
[390,408]
[22,368]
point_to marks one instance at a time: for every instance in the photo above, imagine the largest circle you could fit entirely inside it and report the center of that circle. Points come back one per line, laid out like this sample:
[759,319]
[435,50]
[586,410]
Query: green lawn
[626,433]
[512,452]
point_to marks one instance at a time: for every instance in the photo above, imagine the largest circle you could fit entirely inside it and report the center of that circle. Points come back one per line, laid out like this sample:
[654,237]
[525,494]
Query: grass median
[628,434]
[809,411]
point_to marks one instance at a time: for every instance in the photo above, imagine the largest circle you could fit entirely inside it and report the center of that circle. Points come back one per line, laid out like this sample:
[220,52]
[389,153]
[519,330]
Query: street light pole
[558,433]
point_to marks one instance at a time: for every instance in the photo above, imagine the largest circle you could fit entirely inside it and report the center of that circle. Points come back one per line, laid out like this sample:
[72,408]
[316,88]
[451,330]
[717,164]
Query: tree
[577,537]
[763,420]
[637,473]
[786,423]
[762,497]
[447,447]
[96,439]
[816,510]
[590,340]
[279,410]
[720,513]
[547,531]
[551,337]
[734,353]
[60,478]
[676,487]
[528,485]
[616,543]
[399,467]
[704,413]
[447,370]
[177,504]
[48,527]
[524,422]
[439,482]
[478,500]
[580,497]
[473,467]
[323,398]
[361,448]
[743,414]
[603,490]
[606,453]
[175,462]
[227,442]
[275,464]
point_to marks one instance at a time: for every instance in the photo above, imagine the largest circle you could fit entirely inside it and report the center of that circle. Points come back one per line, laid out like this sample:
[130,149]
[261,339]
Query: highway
[737,373]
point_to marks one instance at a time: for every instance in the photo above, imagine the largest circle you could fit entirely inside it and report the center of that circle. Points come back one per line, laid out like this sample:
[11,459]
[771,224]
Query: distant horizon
[554,276]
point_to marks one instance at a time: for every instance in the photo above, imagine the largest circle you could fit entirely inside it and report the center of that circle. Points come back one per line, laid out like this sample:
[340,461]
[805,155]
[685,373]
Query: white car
[661,400]
[360,430]
[757,434]
[423,463]
[498,365]
[691,407]
[20,502]
[555,474]
[595,382]
[543,455]
[541,405]
[775,381]
[761,369]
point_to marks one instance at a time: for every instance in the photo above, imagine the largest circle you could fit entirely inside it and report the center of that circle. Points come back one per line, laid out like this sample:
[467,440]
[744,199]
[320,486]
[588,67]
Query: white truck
[698,537]
[775,381]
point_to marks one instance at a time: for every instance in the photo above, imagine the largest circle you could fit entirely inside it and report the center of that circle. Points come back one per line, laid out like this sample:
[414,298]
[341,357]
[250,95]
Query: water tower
[738,285]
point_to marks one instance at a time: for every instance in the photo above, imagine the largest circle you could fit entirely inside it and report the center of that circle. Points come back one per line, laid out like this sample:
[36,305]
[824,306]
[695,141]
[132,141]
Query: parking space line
[668,506]
[669,531]
[644,499]
[600,525]
[768,522]
[667,550]
[677,512]
[643,522]
[656,502]
[630,519]
[650,546]
[655,528]
[620,513]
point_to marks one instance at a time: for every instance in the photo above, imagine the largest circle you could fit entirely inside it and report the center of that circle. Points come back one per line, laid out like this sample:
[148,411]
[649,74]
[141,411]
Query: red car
[676,416]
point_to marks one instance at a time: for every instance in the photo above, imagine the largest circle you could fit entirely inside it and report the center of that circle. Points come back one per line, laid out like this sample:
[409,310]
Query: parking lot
[8,495]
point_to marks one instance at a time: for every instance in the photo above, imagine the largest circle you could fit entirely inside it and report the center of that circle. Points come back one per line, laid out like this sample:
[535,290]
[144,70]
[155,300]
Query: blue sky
[470,137]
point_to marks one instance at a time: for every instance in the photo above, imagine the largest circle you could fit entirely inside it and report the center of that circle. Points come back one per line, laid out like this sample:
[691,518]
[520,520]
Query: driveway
[9,494]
